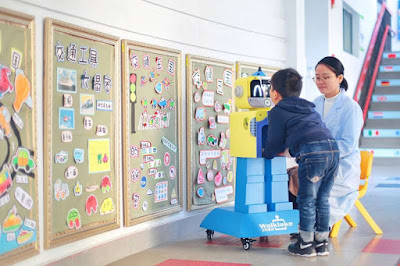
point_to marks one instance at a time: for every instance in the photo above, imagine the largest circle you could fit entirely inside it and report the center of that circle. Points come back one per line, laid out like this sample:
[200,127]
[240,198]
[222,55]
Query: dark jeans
[318,162]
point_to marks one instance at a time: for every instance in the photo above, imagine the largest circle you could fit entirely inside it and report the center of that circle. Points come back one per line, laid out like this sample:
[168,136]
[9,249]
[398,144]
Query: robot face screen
[260,88]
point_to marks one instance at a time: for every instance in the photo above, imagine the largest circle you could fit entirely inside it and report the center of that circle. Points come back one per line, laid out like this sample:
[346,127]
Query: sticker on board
[91,204]
[86,106]
[74,219]
[12,222]
[107,206]
[105,184]
[209,74]
[208,98]
[200,114]
[66,80]
[22,91]
[67,100]
[201,137]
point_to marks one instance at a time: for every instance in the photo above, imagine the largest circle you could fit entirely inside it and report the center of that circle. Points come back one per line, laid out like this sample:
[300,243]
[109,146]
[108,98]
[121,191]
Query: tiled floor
[353,246]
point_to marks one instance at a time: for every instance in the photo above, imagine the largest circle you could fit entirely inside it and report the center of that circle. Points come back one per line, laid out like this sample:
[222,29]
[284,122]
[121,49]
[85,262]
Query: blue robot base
[261,203]
[248,225]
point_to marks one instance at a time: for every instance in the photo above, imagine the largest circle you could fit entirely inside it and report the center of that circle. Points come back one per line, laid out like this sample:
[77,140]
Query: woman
[343,117]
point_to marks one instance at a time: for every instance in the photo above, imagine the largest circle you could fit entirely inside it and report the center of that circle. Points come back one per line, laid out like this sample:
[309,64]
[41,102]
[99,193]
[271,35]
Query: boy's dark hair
[287,82]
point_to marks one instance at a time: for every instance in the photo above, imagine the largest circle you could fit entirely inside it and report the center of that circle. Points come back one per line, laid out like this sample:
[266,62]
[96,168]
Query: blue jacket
[292,123]
[344,121]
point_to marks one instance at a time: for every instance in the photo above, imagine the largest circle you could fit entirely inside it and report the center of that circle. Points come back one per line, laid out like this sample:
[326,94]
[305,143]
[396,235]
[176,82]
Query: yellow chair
[366,167]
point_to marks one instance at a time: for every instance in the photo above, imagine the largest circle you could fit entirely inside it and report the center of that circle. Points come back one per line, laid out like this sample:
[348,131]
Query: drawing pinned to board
[66,80]
[86,105]
[66,118]
[22,91]
[98,155]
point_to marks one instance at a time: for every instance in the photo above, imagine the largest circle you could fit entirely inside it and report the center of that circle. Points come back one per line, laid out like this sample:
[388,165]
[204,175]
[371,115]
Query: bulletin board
[244,69]
[81,120]
[151,131]
[210,169]
[19,224]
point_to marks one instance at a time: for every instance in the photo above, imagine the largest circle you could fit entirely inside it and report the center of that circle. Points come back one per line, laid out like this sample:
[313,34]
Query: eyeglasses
[321,79]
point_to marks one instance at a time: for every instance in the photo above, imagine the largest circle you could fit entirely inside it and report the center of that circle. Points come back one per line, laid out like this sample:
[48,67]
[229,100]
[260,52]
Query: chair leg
[368,218]
[335,229]
[350,221]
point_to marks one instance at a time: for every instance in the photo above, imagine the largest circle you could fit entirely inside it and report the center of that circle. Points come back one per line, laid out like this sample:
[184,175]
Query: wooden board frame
[253,66]
[52,25]
[126,46]
[26,21]
[190,139]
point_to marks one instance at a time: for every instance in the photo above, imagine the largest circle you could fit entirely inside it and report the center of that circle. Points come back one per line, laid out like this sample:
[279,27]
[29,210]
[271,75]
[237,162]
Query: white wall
[225,29]
[324,37]
[393,9]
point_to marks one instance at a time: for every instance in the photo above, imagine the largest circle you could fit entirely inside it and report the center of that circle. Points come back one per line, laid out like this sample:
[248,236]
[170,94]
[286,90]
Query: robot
[261,205]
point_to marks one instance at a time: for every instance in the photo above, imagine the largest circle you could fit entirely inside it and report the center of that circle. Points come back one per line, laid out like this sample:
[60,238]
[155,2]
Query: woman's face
[327,81]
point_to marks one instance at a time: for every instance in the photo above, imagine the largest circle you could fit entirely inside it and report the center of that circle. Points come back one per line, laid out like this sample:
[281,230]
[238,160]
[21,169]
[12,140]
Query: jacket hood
[297,105]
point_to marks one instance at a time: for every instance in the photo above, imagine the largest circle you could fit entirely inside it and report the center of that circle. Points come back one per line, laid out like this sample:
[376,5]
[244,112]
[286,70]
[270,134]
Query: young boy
[296,126]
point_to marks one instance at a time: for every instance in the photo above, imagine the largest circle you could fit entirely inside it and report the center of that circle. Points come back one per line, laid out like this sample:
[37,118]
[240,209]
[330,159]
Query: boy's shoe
[322,248]
[301,248]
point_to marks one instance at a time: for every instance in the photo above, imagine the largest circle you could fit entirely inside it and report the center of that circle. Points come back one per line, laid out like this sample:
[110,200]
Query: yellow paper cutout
[99,155]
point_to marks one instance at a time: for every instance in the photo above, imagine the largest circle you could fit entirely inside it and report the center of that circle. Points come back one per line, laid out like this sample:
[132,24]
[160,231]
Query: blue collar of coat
[320,101]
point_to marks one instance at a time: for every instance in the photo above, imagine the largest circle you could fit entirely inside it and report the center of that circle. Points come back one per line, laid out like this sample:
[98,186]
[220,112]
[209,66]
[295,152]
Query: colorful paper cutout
[167,159]
[172,172]
[146,61]
[171,104]
[143,81]
[149,192]
[168,144]
[136,200]
[218,179]
[31,224]
[61,190]
[200,177]
[210,175]
[5,119]
[16,59]
[74,219]
[222,141]
[159,175]
[224,181]
[161,192]
[226,159]
[85,80]
[79,155]
[158,87]
[212,141]
[98,155]
[61,157]
[153,76]
[229,176]
[22,91]
[196,97]
[222,119]
[66,118]
[200,114]
[220,87]
[104,105]
[87,123]
[91,204]
[78,189]
[215,165]
[228,106]
[66,80]
[162,103]
[152,122]
[211,123]
[171,67]
[59,52]
[67,100]
[145,102]
[196,78]
[92,188]
[86,106]
[105,184]
[5,84]
[135,173]
[208,98]
[159,65]
[23,160]
[209,74]
[5,180]
[217,107]
[23,198]
[134,60]
[12,222]
[143,181]
[71,172]
[200,192]
[107,206]
[148,158]
[107,83]
[101,130]
[24,236]
[208,154]
[134,151]
[228,75]
[201,137]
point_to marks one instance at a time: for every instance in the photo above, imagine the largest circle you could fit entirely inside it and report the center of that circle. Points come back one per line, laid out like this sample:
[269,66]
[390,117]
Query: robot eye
[257,91]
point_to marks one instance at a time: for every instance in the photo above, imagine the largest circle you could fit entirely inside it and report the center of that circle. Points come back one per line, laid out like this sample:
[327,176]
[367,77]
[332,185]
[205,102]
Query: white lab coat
[345,121]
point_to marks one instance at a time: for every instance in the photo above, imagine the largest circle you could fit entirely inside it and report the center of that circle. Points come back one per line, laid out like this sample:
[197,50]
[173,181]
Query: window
[347,32]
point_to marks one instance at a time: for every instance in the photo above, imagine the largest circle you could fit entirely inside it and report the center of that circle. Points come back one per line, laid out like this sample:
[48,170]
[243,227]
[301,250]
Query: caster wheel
[210,234]
[247,246]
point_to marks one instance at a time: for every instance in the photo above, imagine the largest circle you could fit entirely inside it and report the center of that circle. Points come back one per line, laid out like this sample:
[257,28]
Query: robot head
[252,92]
